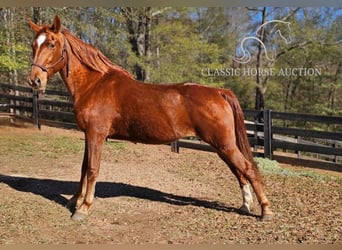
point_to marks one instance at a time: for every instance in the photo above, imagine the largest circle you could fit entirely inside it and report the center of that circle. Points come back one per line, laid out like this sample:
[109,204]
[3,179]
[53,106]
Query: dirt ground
[146,194]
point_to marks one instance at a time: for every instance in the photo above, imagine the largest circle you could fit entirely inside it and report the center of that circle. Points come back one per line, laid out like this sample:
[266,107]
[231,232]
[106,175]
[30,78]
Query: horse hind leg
[247,196]
[235,159]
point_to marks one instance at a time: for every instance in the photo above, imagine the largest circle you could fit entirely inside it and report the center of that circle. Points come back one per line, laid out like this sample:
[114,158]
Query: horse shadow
[54,190]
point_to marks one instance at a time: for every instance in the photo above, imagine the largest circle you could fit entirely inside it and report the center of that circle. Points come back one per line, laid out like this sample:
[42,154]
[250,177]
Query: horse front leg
[90,171]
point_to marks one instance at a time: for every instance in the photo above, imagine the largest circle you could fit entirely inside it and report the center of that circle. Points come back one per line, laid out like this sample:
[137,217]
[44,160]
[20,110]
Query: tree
[316,46]
[264,28]
[139,24]
[14,50]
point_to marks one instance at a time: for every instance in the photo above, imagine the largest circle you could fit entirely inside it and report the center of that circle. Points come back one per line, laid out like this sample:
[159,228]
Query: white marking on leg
[41,39]
[247,198]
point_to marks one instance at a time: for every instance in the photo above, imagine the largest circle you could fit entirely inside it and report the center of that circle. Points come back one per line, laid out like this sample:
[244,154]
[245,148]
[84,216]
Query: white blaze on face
[41,39]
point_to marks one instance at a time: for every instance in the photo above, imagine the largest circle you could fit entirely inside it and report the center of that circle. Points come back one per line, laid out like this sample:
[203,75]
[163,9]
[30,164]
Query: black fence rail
[53,108]
[301,139]
[312,146]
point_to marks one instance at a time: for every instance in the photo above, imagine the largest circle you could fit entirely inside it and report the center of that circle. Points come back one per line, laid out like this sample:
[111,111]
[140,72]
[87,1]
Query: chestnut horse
[109,102]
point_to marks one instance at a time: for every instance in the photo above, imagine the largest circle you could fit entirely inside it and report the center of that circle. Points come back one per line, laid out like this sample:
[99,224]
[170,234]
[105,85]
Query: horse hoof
[245,209]
[77,216]
[267,217]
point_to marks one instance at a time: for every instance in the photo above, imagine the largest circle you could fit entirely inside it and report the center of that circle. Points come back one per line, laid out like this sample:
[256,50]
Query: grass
[33,144]
[116,145]
[53,146]
[272,167]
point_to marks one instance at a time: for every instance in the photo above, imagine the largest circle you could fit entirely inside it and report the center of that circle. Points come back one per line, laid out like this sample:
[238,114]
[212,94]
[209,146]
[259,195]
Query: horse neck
[78,77]
[85,67]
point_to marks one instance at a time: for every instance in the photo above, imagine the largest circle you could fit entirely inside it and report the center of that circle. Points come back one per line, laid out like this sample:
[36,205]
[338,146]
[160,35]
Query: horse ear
[34,26]
[56,27]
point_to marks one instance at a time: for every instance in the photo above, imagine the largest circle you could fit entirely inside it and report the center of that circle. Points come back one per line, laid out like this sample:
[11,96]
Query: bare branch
[253,9]
[158,12]
[296,46]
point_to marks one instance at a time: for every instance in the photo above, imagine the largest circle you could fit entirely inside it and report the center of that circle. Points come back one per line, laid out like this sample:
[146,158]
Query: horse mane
[91,56]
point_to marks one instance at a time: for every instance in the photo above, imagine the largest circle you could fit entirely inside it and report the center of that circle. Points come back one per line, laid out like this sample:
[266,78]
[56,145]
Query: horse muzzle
[37,83]
[38,80]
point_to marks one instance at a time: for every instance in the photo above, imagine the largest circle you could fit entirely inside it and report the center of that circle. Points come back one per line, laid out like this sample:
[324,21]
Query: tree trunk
[35,95]
[148,52]
[9,26]
[260,88]
[36,15]
[139,24]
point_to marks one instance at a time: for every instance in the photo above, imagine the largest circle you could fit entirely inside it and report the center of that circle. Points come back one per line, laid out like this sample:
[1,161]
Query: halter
[45,68]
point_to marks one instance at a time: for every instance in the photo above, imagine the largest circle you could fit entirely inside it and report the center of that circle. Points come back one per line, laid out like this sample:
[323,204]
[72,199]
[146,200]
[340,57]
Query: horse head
[49,49]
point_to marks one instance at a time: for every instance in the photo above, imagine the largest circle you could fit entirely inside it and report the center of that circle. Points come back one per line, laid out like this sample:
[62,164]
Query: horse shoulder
[100,101]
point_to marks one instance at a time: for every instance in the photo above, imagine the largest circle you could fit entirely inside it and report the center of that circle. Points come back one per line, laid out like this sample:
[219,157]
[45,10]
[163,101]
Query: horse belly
[150,130]
[150,133]
[154,117]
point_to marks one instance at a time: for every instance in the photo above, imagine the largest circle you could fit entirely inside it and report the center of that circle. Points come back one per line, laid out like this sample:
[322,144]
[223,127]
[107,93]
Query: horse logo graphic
[279,28]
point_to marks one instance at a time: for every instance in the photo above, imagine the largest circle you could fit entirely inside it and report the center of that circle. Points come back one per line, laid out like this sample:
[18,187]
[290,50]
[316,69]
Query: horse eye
[52,46]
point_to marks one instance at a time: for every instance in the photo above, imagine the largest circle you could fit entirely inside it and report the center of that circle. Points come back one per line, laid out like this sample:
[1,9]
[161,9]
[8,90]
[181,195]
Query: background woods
[164,45]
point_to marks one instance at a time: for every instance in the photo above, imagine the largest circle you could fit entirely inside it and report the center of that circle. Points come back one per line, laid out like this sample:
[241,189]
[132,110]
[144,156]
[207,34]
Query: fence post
[175,147]
[298,142]
[335,146]
[35,109]
[267,133]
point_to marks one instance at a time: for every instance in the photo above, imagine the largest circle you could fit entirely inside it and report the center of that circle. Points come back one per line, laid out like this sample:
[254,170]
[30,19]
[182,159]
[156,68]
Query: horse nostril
[37,82]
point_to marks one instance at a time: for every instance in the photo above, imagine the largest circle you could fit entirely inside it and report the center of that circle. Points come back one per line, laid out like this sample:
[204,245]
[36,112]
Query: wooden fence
[52,108]
[302,139]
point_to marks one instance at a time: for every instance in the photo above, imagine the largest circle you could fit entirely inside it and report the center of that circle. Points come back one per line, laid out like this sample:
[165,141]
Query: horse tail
[242,141]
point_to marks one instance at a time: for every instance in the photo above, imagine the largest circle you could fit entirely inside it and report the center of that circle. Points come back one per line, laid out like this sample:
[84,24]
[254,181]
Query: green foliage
[244,89]
[316,45]
[9,62]
[181,54]
[13,51]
